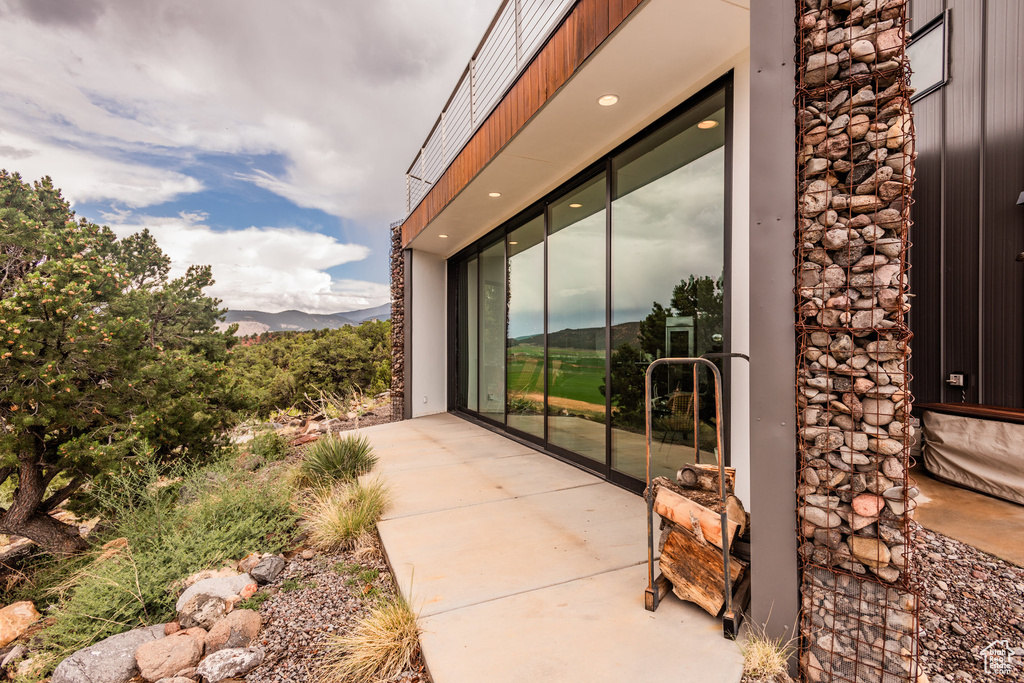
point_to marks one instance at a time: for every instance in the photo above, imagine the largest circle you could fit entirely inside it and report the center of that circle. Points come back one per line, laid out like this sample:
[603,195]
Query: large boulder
[111,660]
[236,630]
[15,620]
[165,657]
[229,663]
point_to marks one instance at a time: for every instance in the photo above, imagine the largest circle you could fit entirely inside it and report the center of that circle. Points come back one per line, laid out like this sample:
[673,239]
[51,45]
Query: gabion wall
[855,153]
[397,323]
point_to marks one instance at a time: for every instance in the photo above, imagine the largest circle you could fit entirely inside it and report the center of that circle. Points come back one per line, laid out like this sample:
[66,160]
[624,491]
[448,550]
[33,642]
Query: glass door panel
[577,321]
[667,288]
[525,358]
[492,332]
[468,334]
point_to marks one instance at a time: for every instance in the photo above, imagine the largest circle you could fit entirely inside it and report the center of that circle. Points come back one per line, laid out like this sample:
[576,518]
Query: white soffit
[667,51]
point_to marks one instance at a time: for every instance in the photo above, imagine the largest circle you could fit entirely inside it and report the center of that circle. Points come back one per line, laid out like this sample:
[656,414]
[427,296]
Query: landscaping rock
[222,587]
[203,610]
[206,601]
[236,630]
[111,660]
[165,657]
[15,619]
[267,569]
[224,573]
[230,662]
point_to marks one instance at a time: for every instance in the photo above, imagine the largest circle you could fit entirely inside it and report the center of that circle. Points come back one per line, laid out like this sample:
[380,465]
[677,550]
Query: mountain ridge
[257,322]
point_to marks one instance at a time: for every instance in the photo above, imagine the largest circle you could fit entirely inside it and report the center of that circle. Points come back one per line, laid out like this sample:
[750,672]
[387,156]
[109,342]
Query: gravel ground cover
[970,599]
[313,599]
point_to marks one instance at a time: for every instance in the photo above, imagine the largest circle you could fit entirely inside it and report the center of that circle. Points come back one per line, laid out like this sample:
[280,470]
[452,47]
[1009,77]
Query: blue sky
[267,139]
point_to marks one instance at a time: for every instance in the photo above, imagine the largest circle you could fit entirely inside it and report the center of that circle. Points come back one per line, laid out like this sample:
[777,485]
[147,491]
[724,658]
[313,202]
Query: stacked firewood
[692,535]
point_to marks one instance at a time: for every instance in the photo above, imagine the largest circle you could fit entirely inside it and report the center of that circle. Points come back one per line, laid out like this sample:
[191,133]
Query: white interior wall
[429,344]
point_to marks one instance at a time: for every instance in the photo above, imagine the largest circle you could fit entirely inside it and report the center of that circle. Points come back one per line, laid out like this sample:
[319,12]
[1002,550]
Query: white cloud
[343,92]
[86,176]
[266,269]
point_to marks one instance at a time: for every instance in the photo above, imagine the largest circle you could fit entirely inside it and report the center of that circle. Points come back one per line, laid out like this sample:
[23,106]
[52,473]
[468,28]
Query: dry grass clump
[380,646]
[344,516]
[764,658]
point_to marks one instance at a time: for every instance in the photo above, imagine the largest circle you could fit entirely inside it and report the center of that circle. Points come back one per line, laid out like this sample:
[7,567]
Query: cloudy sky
[266,138]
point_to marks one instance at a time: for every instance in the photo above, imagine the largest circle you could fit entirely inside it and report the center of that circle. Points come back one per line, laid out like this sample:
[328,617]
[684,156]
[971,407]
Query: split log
[683,511]
[706,477]
[734,510]
[695,570]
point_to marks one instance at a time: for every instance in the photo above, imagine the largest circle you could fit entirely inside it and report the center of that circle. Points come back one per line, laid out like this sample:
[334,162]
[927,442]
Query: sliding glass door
[576,321]
[559,313]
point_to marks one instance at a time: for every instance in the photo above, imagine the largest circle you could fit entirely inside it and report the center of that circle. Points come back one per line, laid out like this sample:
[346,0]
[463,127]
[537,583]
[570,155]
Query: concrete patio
[524,568]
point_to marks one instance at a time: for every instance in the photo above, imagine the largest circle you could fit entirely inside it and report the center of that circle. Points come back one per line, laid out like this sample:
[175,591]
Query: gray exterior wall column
[774,589]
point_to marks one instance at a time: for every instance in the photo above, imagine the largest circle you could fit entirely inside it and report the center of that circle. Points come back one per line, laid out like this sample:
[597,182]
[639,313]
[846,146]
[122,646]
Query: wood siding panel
[587,25]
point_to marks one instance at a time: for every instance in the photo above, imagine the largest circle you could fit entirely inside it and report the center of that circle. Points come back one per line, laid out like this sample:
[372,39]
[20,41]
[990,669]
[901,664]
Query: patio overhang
[661,53]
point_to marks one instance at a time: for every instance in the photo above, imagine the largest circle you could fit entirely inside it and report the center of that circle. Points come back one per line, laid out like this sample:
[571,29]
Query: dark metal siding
[1002,344]
[968,313]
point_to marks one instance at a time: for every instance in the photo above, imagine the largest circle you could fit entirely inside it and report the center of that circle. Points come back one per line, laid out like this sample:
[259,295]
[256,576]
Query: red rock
[868,505]
[171,627]
[15,619]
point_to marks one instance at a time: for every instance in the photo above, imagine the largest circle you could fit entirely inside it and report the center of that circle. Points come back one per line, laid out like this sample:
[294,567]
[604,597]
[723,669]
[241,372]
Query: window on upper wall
[928,52]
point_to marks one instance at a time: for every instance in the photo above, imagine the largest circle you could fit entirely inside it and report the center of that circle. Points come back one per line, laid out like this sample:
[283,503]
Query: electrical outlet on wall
[957,379]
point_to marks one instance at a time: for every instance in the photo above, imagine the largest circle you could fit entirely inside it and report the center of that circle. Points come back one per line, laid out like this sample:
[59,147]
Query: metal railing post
[443,138]
[519,34]
[472,94]
[423,164]
[408,194]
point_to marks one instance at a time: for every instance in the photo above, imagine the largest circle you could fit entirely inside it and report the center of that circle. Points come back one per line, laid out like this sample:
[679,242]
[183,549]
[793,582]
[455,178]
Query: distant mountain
[257,322]
[382,312]
[586,338]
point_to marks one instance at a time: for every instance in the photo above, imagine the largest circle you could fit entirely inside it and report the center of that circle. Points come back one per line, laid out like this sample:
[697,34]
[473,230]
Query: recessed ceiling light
[575,206]
[444,237]
[707,124]
[607,100]
[493,194]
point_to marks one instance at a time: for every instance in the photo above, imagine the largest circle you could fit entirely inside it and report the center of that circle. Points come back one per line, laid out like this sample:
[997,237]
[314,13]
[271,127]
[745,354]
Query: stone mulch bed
[312,600]
[970,599]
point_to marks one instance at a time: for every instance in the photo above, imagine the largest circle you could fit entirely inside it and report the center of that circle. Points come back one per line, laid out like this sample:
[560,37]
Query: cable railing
[516,33]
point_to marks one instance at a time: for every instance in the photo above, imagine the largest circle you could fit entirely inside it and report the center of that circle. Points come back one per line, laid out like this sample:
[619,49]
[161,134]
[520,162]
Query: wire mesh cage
[855,146]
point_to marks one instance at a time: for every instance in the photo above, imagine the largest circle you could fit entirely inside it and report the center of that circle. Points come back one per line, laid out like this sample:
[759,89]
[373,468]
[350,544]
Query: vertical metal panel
[923,11]
[969,307]
[774,589]
[926,255]
[961,169]
[1002,345]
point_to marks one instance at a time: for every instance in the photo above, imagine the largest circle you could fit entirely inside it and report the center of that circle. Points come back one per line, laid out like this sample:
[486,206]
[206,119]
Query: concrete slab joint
[855,158]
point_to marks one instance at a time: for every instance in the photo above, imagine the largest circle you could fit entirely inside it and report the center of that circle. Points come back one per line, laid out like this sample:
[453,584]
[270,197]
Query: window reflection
[668,213]
[526,328]
[576,321]
[492,331]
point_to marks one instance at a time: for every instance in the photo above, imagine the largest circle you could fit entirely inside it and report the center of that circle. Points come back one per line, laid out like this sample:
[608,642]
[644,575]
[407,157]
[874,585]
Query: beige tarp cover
[984,455]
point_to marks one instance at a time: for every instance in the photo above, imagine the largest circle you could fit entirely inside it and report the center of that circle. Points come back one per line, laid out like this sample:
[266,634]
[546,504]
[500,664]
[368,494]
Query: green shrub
[338,518]
[174,527]
[270,446]
[337,459]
